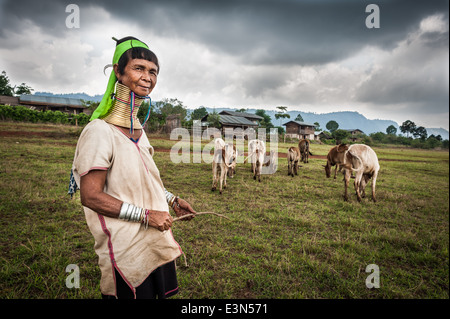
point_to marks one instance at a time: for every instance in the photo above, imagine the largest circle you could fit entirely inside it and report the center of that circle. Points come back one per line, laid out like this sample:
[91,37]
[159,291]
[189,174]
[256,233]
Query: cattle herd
[357,158]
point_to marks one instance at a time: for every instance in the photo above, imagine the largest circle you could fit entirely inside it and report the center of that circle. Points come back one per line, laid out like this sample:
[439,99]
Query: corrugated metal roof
[300,123]
[50,100]
[235,120]
[351,130]
[242,114]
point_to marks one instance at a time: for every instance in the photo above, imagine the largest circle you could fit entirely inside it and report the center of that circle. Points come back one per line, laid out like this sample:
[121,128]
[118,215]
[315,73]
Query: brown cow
[336,156]
[293,158]
[303,146]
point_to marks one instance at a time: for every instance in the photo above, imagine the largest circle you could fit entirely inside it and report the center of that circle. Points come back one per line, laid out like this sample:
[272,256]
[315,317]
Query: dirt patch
[21,134]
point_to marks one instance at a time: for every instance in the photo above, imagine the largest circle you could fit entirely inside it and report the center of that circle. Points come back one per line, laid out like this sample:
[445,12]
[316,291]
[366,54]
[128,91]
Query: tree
[317,127]
[340,135]
[282,113]
[5,87]
[8,90]
[420,132]
[199,113]
[391,130]
[266,121]
[408,127]
[155,120]
[433,141]
[91,105]
[299,118]
[378,137]
[171,106]
[214,119]
[23,89]
[241,110]
[332,126]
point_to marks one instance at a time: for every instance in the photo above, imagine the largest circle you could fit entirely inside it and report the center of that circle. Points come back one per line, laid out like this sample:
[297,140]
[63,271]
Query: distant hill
[438,131]
[345,119]
[82,96]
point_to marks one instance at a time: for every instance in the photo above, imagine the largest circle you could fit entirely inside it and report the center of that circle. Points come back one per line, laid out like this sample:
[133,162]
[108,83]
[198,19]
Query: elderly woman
[125,203]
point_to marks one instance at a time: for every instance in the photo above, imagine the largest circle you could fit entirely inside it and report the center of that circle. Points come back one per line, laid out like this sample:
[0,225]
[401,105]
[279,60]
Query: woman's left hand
[182,208]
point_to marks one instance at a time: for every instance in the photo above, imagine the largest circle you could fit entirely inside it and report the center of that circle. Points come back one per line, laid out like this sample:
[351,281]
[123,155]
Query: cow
[336,157]
[303,146]
[293,157]
[232,169]
[223,159]
[363,160]
[271,161]
[256,152]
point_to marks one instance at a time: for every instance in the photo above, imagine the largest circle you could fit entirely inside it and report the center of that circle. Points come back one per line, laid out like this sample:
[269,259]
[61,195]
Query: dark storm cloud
[315,52]
[255,31]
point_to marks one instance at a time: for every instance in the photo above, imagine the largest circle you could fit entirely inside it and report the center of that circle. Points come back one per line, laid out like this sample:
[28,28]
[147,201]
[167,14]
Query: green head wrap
[107,101]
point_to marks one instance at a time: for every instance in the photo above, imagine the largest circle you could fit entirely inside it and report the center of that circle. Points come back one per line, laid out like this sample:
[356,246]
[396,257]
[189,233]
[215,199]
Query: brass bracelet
[174,200]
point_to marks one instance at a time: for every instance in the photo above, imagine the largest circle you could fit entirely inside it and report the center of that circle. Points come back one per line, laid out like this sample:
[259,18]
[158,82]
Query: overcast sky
[309,55]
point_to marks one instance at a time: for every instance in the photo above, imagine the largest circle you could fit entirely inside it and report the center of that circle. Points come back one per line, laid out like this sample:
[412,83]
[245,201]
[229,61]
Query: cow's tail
[361,167]
[245,160]
[307,149]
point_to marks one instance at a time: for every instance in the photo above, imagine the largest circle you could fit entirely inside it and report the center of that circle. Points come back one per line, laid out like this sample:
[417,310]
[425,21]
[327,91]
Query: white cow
[256,152]
[363,161]
[224,157]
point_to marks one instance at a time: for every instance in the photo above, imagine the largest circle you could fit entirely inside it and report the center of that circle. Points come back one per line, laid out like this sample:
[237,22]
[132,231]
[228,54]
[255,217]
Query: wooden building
[324,136]
[52,103]
[355,133]
[240,120]
[44,103]
[249,116]
[300,130]
[173,121]
[9,100]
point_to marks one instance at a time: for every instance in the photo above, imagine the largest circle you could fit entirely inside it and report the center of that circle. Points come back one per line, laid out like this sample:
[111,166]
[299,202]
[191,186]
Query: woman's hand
[182,208]
[159,220]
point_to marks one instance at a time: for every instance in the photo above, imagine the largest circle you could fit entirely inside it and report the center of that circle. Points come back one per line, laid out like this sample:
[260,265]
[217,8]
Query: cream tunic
[132,177]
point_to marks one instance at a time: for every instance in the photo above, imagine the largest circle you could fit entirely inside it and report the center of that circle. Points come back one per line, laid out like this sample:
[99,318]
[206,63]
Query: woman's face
[139,76]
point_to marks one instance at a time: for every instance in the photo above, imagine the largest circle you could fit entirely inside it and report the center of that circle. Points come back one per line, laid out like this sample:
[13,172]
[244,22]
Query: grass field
[286,237]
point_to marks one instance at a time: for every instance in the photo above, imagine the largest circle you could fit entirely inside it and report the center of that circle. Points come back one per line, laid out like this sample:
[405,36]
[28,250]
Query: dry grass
[286,237]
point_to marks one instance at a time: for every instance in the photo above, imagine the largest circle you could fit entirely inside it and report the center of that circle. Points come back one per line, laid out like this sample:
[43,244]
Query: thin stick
[201,213]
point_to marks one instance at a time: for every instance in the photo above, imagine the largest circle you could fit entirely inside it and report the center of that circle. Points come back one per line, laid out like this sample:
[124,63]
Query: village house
[173,121]
[319,136]
[44,103]
[355,133]
[249,116]
[232,120]
[300,130]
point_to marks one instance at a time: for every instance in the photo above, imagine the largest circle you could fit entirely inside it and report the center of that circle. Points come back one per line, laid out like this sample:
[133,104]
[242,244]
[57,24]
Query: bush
[23,114]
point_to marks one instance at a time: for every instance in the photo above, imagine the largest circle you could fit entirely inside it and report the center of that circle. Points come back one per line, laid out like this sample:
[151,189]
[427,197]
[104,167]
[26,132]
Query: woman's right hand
[159,219]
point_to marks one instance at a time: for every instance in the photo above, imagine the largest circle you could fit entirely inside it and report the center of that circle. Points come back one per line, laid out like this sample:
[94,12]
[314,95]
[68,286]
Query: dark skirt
[161,283]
